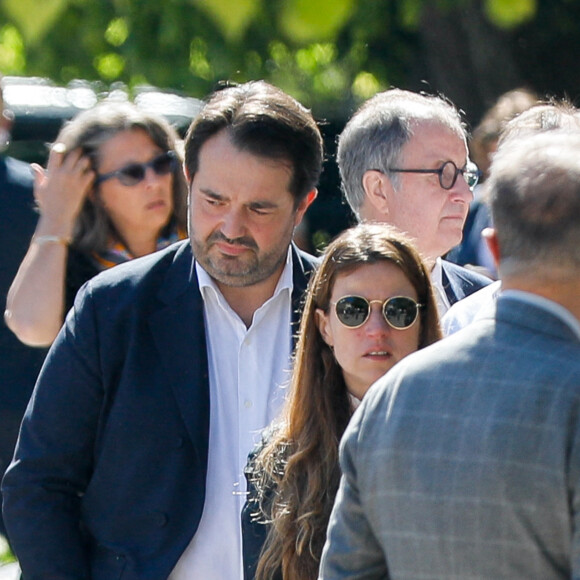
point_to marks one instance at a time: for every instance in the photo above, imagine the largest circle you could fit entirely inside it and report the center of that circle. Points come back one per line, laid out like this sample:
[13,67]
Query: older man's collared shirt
[248,369]
[464,312]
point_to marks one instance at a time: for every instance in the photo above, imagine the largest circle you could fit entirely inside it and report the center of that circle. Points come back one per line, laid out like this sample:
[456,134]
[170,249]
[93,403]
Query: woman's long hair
[89,130]
[300,462]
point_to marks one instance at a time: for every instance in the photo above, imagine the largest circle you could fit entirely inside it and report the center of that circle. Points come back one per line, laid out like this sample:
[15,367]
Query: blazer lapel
[452,288]
[178,330]
[303,266]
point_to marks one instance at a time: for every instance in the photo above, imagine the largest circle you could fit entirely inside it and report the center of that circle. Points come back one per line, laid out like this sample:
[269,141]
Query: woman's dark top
[80,268]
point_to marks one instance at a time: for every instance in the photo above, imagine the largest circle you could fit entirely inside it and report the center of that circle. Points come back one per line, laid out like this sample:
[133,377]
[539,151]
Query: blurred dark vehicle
[40,108]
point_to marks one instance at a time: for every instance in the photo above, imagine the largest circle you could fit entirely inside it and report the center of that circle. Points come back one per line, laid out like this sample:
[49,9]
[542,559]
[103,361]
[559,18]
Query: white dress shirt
[464,312]
[248,370]
[469,309]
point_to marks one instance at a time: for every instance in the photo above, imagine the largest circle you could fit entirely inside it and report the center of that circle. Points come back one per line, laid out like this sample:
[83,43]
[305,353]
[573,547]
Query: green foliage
[232,17]
[117,32]
[190,45]
[12,59]
[510,13]
[317,73]
[306,21]
[34,18]
[331,54]
[411,13]
[365,85]
[6,556]
[110,65]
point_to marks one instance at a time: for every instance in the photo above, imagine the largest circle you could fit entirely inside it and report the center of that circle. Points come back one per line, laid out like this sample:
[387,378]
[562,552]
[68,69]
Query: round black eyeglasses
[400,312]
[448,173]
[134,173]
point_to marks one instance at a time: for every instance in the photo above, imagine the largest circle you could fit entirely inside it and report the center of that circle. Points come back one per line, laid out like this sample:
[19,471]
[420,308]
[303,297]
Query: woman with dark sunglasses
[369,305]
[113,190]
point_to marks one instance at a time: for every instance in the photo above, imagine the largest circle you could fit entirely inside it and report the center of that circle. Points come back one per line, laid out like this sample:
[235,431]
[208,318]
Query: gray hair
[534,188]
[540,118]
[376,134]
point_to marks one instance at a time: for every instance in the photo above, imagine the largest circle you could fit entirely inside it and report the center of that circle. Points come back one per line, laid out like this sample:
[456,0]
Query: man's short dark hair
[264,121]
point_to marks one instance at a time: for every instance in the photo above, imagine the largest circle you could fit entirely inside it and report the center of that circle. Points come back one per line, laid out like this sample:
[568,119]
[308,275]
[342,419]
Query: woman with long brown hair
[369,305]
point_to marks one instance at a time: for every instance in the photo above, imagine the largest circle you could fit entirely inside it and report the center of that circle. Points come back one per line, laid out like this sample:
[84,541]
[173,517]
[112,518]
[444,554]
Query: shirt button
[248,404]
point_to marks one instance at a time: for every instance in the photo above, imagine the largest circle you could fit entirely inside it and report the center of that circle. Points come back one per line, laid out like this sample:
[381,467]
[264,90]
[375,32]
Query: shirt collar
[207,283]
[437,273]
[436,277]
[553,307]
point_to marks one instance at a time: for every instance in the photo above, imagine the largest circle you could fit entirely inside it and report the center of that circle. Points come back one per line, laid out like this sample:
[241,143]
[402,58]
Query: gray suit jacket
[463,462]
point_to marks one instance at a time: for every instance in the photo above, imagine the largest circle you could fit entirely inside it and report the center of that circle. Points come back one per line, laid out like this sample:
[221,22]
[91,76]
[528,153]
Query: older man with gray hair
[403,161]
[464,461]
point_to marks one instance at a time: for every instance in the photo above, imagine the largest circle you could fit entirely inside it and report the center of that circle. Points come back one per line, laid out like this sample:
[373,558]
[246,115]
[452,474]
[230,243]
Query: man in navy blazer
[403,160]
[19,364]
[464,460]
[130,457]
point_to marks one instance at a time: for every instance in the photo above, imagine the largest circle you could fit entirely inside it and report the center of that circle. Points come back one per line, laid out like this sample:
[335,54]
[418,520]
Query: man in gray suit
[464,460]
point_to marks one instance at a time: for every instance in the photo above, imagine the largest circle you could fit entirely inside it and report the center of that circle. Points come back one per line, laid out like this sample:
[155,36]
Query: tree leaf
[231,16]
[306,21]
[34,18]
[510,13]
[12,59]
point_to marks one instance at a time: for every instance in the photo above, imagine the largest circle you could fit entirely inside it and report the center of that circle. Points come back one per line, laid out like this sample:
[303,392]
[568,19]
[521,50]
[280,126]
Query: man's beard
[247,269]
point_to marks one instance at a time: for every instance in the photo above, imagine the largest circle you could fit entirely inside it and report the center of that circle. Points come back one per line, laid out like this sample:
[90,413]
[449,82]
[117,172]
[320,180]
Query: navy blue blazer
[19,364]
[108,479]
[478,218]
[460,282]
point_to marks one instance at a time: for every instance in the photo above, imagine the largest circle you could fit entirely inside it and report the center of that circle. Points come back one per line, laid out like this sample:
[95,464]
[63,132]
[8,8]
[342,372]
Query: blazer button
[179,442]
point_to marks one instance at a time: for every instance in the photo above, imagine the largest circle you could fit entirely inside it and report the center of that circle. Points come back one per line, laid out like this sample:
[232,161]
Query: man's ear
[378,189]
[304,205]
[490,236]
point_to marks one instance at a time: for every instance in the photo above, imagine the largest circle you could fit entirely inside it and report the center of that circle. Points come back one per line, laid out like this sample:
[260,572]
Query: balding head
[534,188]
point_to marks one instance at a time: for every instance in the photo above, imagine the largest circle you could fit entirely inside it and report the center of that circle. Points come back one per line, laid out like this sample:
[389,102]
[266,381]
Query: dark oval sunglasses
[400,312]
[134,173]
